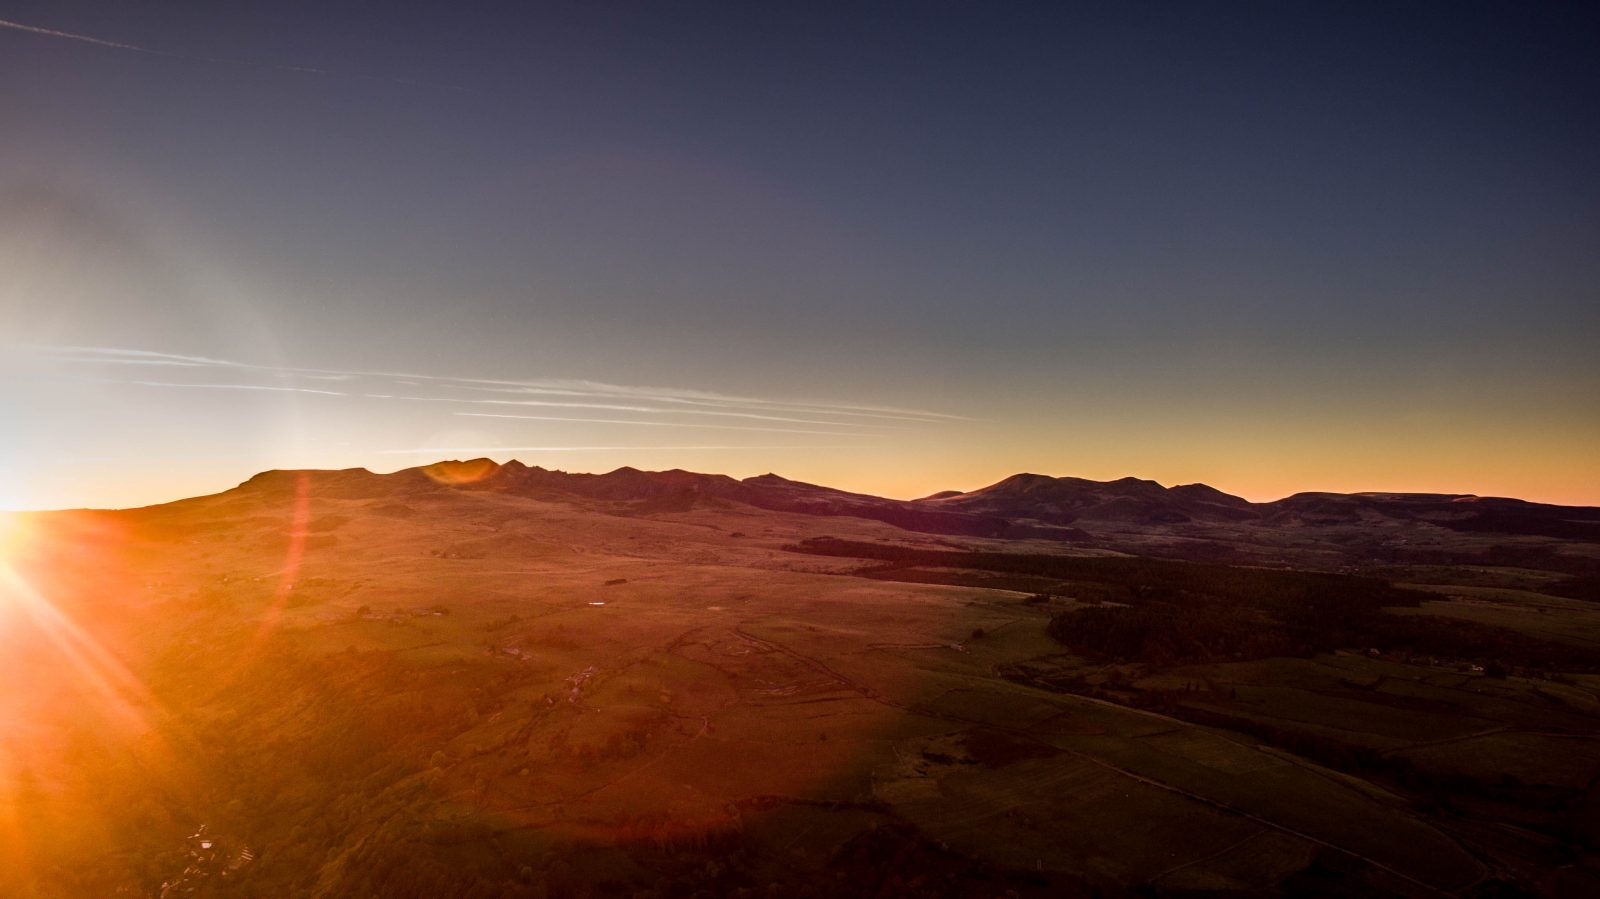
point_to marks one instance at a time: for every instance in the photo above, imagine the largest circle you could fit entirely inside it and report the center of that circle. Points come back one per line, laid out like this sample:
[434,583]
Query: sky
[895,248]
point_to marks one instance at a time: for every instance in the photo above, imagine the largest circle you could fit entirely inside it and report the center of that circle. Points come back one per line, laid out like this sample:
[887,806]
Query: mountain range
[1021,506]
[472,679]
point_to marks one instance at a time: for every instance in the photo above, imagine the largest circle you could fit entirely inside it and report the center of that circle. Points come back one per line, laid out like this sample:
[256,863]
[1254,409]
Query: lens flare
[12,530]
[69,682]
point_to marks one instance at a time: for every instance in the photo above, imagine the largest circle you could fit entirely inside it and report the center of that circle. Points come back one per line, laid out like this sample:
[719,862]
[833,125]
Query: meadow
[473,694]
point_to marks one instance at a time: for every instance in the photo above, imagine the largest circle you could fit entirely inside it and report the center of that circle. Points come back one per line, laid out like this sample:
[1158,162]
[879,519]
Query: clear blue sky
[1270,246]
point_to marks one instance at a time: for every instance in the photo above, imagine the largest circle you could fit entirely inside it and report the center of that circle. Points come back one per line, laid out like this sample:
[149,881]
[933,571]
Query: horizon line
[488,452]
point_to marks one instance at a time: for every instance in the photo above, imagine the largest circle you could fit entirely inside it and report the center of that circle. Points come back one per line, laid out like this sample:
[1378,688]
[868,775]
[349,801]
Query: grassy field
[485,695]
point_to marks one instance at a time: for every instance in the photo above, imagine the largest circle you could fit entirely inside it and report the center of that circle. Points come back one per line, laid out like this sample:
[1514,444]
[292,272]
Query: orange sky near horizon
[1563,476]
[103,427]
[1235,250]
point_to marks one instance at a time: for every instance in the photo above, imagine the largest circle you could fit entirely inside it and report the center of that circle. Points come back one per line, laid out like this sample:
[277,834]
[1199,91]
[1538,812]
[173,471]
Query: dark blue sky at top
[1371,167]
[967,203]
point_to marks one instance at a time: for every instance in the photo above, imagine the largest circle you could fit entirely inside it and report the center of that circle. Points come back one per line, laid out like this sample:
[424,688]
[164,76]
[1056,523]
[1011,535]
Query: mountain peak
[454,472]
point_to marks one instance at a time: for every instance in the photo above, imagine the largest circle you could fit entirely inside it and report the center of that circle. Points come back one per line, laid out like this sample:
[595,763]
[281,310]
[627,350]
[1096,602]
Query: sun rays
[36,623]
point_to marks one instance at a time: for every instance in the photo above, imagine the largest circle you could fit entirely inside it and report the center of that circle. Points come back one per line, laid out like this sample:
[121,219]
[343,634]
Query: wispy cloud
[651,424]
[266,387]
[695,398]
[648,410]
[123,356]
[610,397]
[496,450]
[666,395]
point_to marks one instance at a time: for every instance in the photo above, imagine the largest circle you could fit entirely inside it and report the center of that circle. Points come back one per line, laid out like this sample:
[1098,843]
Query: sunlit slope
[410,687]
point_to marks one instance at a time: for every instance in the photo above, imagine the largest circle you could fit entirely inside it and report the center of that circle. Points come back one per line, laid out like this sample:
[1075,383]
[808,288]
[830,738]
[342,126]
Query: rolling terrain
[481,680]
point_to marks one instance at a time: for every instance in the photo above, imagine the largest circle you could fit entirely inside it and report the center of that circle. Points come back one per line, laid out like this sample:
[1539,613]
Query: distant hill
[1021,506]
[1064,500]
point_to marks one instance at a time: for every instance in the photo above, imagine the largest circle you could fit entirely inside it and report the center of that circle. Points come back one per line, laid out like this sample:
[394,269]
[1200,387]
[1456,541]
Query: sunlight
[11,529]
[24,603]
[120,690]
[61,689]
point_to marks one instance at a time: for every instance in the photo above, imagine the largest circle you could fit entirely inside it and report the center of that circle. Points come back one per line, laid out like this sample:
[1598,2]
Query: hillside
[471,680]
[1192,521]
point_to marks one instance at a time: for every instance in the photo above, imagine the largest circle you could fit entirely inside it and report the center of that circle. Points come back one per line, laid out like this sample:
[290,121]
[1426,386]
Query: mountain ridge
[1024,505]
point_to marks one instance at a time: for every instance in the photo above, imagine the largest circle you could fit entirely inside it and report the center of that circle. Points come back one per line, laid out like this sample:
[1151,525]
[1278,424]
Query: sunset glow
[11,532]
[829,451]
[1389,288]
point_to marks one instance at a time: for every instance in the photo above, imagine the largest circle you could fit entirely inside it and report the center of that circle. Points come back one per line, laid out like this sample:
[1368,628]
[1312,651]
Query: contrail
[119,45]
[51,32]
[218,60]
